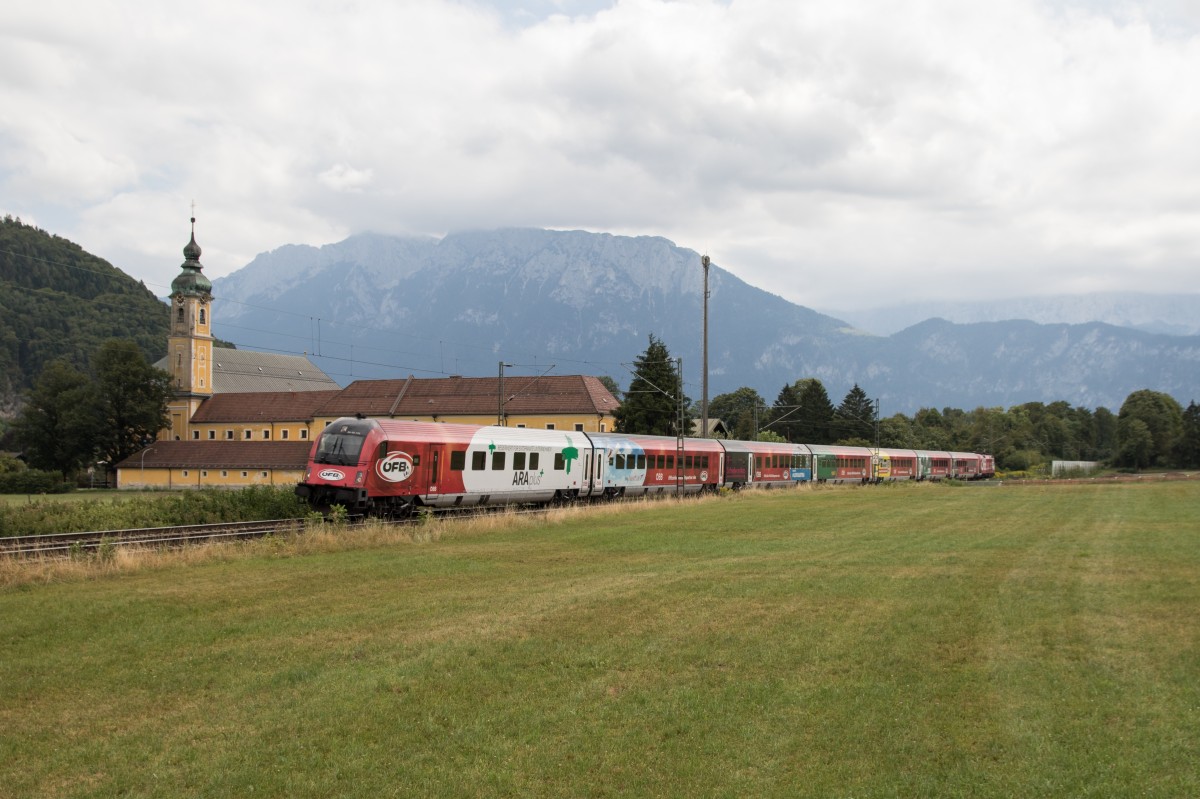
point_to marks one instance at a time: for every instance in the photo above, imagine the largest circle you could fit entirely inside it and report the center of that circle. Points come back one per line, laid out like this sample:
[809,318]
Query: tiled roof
[458,396]
[221,455]
[244,371]
[262,406]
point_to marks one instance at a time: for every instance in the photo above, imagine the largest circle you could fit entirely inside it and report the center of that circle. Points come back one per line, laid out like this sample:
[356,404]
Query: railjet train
[385,467]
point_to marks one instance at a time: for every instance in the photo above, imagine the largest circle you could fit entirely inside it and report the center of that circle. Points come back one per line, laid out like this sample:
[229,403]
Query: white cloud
[842,155]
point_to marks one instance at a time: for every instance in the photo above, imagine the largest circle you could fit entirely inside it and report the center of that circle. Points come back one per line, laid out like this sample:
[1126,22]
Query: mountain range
[582,302]
[1173,314]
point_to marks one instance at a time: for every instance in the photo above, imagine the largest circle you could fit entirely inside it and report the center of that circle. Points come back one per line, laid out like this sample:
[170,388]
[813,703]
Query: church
[238,418]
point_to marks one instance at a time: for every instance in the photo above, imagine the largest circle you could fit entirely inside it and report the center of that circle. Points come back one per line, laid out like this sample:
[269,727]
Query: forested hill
[58,301]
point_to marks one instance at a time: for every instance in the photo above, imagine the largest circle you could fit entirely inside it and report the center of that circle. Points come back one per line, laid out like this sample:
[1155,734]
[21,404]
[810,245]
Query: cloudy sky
[842,154]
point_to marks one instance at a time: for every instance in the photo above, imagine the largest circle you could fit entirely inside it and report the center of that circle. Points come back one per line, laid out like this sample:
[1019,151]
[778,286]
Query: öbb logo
[396,467]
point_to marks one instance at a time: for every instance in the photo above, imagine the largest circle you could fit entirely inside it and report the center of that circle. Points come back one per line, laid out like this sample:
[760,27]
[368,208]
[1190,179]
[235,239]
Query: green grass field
[890,642]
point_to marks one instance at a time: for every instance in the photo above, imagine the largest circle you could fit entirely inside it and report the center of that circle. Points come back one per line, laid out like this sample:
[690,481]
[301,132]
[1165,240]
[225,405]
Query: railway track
[66,544]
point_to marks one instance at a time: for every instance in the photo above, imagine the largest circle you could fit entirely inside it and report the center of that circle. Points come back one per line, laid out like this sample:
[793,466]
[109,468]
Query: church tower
[190,344]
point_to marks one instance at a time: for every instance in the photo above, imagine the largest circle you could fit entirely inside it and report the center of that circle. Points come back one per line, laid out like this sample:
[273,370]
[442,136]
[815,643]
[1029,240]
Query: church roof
[244,371]
[239,371]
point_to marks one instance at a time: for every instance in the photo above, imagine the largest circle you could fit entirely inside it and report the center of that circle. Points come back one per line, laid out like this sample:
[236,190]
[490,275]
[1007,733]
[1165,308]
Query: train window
[519,461]
[641,461]
[533,460]
[383,449]
[458,460]
[559,463]
[497,461]
[687,462]
[478,460]
[670,462]
[660,461]
[703,461]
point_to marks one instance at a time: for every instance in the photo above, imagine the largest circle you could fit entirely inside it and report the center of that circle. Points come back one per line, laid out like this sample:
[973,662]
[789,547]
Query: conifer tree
[816,413]
[651,403]
[855,417]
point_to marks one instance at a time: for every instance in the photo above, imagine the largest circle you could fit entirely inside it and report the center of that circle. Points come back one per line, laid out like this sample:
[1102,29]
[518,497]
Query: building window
[224,473]
[303,433]
[212,434]
[185,472]
[204,473]
[201,316]
[195,435]
[246,434]
[283,434]
[266,435]
[579,427]
[550,425]
[263,473]
[603,427]
[229,435]
[521,425]
[245,474]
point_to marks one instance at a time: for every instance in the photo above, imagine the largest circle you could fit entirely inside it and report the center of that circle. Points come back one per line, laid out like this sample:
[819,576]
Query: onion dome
[190,280]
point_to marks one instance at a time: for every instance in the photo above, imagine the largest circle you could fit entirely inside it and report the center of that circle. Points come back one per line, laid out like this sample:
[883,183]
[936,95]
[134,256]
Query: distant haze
[1173,314]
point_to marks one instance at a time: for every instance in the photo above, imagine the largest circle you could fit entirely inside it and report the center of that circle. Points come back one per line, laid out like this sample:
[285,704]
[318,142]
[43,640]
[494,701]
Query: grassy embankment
[915,641]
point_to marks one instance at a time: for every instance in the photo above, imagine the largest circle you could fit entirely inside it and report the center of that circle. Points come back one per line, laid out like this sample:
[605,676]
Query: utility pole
[679,446]
[704,262]
[500,395]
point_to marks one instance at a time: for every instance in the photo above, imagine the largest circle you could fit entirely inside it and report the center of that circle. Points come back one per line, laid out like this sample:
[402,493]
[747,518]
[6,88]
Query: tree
[133,399]
[816,412]
[736,409]
[855,417]
[1163,418]
[1137,443]
[1188,451]
[72,420]
[784,416]
[57,427]
[610,384]
[651,404]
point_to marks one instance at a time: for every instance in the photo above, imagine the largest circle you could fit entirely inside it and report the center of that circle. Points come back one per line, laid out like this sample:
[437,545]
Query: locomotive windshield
[341,443]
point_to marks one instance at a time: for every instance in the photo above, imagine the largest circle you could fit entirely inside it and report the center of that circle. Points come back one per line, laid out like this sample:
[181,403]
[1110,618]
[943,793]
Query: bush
[206,506]
[32,481]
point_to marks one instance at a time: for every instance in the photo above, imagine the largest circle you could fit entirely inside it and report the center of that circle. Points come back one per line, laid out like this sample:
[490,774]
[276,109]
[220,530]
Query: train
[394,468]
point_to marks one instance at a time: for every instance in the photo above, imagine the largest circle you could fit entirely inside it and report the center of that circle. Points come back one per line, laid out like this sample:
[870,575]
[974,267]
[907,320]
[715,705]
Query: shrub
[32,481]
